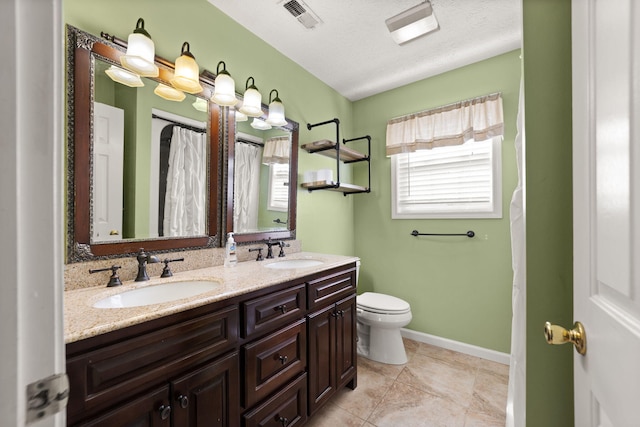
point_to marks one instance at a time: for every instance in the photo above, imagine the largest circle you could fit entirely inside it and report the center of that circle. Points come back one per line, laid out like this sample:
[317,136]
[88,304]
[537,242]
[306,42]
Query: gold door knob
[558,335]
[114,233]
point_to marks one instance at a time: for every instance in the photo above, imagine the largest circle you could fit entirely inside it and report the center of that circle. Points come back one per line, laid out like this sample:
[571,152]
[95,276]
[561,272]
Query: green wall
[325,220]
[361,225]
[458,288]
[547,76]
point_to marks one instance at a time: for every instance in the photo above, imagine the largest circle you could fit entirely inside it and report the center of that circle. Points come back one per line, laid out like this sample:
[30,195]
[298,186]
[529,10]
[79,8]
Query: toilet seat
[382,304]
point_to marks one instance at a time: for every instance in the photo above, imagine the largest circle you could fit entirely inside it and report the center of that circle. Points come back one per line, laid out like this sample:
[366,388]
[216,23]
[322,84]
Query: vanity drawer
[266,313]
[287,407]
[331,287]
[115,371]
[274,360]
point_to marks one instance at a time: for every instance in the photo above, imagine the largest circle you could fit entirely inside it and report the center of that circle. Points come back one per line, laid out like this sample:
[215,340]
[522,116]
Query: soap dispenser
[230,256]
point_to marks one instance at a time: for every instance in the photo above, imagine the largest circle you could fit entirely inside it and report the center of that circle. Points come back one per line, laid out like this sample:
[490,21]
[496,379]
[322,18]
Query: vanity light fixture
[201,104]
[140,54]
[225,87]
[169,93]
[412,23]
[187,73]
[260,124]
[276,111]
[124,77]
[241,117]
[252,101]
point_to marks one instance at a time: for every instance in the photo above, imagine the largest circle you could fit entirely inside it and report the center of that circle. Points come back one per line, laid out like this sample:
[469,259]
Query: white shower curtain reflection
[185,201]
[246,187]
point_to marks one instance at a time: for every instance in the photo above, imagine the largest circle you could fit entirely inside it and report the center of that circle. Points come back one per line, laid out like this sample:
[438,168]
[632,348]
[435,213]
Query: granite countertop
[82,320]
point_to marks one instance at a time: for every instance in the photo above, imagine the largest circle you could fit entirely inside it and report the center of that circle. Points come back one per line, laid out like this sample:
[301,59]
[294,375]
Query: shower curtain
[516,397]
[246,187]
[185,201]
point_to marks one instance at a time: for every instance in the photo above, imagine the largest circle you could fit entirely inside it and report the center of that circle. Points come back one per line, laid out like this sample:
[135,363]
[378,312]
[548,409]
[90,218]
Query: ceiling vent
[302,13]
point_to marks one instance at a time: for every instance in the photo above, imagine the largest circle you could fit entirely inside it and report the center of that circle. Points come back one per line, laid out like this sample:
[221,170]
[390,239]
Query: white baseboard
[460,347]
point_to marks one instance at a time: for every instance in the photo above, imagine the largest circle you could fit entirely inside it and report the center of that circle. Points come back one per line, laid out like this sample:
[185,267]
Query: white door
[108,157]
[606,175]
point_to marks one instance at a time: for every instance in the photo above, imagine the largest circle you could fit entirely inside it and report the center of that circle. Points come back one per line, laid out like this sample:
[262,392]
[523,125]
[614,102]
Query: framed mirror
[143,168]
[262,168]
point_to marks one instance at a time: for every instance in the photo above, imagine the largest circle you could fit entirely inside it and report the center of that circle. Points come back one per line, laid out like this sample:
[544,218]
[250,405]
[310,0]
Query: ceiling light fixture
[252,100]
[124,77]
[412,23]
[140,54]
[187,72]
[225,87]
[276,111]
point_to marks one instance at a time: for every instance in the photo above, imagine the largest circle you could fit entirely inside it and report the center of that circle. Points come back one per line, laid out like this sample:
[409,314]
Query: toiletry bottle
[230,256]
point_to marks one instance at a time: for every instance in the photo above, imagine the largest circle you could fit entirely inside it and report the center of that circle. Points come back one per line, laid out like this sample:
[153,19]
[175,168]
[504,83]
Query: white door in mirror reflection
[108,154]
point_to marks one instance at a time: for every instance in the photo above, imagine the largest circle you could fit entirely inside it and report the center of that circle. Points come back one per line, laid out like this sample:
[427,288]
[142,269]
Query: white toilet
[380,318]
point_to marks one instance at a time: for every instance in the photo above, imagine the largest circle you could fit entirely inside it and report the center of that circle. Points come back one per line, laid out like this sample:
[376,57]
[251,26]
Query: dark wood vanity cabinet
[332,337]
[268,358]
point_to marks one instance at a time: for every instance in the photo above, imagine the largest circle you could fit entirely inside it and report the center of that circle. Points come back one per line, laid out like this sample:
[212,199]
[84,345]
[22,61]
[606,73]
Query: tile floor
[437,387]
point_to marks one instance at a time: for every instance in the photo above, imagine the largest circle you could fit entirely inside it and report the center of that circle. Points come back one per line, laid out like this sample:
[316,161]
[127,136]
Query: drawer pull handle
[282,308]
[184,401]
[165,411]
[284,421]
[283,359]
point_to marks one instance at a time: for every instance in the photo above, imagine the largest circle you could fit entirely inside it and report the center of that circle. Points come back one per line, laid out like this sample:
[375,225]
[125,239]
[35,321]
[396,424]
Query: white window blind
[461,181]
[278,187]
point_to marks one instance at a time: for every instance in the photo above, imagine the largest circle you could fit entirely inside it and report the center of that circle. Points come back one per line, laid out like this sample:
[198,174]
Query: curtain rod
[182,125]
[447,105]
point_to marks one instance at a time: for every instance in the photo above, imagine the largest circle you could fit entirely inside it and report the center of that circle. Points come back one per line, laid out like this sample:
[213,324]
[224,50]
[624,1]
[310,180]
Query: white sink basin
[157,294]
[295,263]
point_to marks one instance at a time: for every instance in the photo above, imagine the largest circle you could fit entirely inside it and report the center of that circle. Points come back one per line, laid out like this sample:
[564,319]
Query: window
[278,187]
[460,181]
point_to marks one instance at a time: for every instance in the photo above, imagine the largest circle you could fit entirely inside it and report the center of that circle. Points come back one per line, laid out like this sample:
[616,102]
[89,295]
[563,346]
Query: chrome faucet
[144,259]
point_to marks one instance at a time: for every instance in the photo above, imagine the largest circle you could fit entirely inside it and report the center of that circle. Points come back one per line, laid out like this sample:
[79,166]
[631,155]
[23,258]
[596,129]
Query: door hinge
[47,396]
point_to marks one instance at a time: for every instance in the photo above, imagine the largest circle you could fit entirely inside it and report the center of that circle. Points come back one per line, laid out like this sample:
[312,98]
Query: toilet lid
[381,303]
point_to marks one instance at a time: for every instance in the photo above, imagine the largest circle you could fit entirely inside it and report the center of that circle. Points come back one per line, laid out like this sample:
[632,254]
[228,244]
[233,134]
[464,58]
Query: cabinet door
[346,356]
[322,350]
[208,396]
[149,410]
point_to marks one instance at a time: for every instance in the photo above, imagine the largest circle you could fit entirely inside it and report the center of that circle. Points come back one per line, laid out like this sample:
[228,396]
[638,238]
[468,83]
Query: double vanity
[263,344]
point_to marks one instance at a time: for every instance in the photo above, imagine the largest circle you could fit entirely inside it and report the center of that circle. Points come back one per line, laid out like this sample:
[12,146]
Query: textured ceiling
[352,51]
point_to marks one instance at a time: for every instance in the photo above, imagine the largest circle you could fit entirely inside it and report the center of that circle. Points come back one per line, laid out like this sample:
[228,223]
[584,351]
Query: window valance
[478,118]
[276,150]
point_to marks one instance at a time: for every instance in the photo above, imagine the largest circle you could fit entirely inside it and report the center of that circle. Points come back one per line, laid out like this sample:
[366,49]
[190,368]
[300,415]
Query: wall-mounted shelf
[341,153]
[332,186]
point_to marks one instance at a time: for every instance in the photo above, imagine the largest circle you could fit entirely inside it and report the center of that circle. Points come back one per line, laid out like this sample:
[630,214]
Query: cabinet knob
[283,359]
[165,411]
[282,308]
[184,401]
[284,421]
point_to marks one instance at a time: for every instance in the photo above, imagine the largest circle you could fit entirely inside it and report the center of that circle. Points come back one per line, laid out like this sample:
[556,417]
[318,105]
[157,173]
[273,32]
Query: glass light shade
[260,124]
[169,93]
[225,90]
[124,77]
[276,114]
[241,117]
[187,73]
[140,56]
[201,104]
[252,103]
